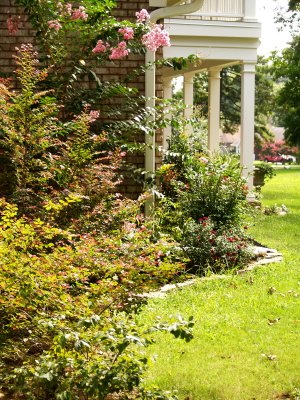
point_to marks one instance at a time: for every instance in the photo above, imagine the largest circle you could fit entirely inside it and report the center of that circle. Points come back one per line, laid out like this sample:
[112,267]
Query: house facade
[219,32]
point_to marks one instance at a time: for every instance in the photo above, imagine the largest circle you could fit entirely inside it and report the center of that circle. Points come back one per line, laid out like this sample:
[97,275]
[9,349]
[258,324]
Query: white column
[188,98]
[150,103]
[167,131]
[214,88]
[250,10]
[247,119]
[150,139]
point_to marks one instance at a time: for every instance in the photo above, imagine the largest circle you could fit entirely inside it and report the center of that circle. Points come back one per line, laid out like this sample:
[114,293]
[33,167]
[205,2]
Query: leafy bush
[215,188]
[213,249]
[67,307]
[48,160]
[208,195]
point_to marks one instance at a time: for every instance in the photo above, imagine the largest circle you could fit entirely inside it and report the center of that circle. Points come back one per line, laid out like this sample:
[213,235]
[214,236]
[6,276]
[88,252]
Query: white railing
[220,9]
[224,10]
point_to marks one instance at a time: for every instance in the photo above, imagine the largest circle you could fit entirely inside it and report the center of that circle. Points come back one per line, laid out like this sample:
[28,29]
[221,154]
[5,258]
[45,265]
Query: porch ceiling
[202,65]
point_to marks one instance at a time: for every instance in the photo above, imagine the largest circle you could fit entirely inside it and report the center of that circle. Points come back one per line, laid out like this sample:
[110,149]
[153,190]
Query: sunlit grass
[247,332]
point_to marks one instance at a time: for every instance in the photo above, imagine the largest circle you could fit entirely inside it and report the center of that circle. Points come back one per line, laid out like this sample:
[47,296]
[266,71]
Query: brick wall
[116,70]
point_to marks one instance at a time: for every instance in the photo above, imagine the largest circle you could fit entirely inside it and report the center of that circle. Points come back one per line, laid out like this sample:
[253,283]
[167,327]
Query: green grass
[227,359]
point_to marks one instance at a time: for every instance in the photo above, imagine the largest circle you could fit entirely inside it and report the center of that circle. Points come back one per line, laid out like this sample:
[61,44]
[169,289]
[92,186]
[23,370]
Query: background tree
[286,68]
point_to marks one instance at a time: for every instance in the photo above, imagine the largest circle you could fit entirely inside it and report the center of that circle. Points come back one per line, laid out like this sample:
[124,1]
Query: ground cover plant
[246,335]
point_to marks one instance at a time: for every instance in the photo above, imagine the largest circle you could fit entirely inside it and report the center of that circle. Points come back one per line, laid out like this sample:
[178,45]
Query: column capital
[188,76]
[248,67]
[214,73]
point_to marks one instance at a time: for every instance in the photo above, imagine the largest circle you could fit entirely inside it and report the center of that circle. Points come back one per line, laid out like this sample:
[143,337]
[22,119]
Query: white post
[214,88]
[247,120]
[150,139]
[150,103]
[167,131]
[188,98]
[250,10]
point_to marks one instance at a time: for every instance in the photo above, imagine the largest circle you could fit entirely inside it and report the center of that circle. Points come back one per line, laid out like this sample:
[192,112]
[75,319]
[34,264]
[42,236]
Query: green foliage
[63,333]
[75,258]
[215,189]
[286,67]
[214,250]
[69,51]
[46,160]
[265,168]
[199,188]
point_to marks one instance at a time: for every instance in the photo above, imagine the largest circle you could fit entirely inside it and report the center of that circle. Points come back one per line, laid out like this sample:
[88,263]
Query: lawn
[247,331]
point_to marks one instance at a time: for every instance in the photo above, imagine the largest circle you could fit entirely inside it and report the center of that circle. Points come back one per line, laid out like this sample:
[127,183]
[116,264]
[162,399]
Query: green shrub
[215,250]
[67,308]
[215,188]
[204,204]
[49,161]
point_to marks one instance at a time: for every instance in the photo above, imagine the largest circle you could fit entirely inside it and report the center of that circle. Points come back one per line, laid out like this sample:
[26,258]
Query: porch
[221,33]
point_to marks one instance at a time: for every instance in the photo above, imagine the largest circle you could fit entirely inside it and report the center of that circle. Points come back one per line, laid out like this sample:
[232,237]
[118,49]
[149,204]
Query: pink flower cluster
[69,8]
[54,24]
[78,13]
[100,47]
[13,24]
[93,115]
[142,16]
[128,33]
[157,37]
[119,52]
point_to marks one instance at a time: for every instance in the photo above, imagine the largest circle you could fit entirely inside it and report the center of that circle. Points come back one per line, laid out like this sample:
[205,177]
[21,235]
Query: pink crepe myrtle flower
[69,8]
[100,47]
[142,16]
[93,115]
[79,13]
[13,24]
[157,37]
[119,52]
[128,33]
[54,24]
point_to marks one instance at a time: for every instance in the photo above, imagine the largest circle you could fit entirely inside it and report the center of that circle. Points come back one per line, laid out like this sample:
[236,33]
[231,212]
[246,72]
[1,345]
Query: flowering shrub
[66,308]
[271,150]
[209,197]
[214,249]
[44,156]
[156,38]
[75,257]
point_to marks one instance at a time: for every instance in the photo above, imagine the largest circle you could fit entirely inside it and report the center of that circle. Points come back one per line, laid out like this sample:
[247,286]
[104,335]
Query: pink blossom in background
[93,115]
[69,8]
[99,48]
[156,38]
[54,24]
[13,24]
[79,13]
[119,52]
[128,33]
[142,16]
